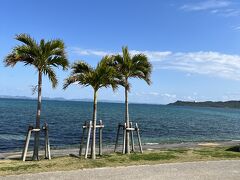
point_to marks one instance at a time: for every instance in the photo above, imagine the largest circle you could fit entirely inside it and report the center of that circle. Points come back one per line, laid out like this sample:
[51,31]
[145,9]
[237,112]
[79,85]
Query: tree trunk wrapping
[93,155]
[36,137]
[127,147]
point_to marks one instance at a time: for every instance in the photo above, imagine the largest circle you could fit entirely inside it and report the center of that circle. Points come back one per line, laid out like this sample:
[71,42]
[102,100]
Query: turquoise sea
[158,123]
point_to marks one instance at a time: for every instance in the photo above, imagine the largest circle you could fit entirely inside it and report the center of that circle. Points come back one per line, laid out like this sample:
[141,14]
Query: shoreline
[107,149]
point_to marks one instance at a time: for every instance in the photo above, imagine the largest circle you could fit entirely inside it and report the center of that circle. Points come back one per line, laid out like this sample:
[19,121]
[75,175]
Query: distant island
[217,104]
[57,99]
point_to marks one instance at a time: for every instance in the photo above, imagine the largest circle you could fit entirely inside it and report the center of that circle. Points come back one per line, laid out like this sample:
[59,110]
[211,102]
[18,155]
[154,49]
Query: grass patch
[218,153]
[10,167]
[178,150]
[152,156]
[19,168]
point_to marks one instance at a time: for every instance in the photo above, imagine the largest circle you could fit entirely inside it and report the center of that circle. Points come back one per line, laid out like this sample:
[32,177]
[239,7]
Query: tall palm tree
[136,66]
[101,76]
[43,56]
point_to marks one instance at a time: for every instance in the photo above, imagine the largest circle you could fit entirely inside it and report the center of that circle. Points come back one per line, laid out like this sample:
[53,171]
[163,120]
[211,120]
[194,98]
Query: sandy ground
[210,170]
[109,149]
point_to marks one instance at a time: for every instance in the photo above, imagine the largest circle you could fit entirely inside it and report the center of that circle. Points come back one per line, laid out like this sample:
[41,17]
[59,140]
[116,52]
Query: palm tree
[43,56]
[136,66]
[101,76]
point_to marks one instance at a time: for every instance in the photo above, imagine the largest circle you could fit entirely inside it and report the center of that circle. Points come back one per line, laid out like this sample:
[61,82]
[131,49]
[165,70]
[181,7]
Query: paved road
[212,170]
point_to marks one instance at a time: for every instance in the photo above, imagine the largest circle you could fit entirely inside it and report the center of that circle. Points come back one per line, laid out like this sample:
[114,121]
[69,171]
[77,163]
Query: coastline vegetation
[13,167]
[217,104]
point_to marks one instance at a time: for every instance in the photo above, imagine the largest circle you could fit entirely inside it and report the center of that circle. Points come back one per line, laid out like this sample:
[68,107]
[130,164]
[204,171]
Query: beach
[109,149]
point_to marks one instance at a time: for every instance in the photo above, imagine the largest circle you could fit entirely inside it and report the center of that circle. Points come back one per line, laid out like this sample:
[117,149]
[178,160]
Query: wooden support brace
[124,139]
[82,139]
[130,129]
[47,143]
[97,126]
[132,138]
[139,138]
[24,154]
[88,139]
[118,131]
[35,130]
[100,137]
[125,130]
[49,152]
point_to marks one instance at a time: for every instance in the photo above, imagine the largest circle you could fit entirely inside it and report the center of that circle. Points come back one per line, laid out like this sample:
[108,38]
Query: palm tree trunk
[127,149]
[93,150]
[36,137]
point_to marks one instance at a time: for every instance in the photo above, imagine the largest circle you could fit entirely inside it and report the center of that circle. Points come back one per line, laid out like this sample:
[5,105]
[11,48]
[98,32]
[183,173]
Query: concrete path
[211,170]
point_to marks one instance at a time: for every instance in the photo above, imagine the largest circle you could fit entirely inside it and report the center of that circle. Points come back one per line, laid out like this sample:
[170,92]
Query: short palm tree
[43,56]
[101,76]
[136,66]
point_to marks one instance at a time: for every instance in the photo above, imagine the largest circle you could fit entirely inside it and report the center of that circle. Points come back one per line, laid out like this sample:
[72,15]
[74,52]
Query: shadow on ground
[234,149]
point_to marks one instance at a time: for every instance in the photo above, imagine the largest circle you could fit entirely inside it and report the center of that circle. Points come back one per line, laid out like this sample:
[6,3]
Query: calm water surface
[158,124]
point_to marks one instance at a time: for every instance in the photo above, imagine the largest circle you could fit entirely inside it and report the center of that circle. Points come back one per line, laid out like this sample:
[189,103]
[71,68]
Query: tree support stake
[131,129]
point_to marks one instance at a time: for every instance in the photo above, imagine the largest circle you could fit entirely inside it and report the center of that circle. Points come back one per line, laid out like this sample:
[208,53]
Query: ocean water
[158,123]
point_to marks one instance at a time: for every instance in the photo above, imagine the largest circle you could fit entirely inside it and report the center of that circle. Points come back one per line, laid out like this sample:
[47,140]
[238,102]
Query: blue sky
[194,46]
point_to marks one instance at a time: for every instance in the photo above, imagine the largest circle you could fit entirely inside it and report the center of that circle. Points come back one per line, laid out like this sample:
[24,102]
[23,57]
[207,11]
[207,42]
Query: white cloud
[146,93]
[230,12]
[206,5]
[153,55]
[208,63]
[214,11]
[219,7]
[189,98]
[237,28]
[203,62]
[154,93]
[171,96]
[231,96]
[88,52]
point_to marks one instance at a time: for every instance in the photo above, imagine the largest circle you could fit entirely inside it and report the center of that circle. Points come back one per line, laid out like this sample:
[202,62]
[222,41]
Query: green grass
[152,156]
[218,153]
[9,167]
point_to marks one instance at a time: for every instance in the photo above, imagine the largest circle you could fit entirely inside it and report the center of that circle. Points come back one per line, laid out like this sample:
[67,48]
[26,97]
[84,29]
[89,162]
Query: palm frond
[103,75]
[57,61]
[81,79]
[70,80]
[43,55]
[126,54]
[137,66]
[81,67]
[56,43]
[26,39]
[51,75]
[142,68]
[13,58]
